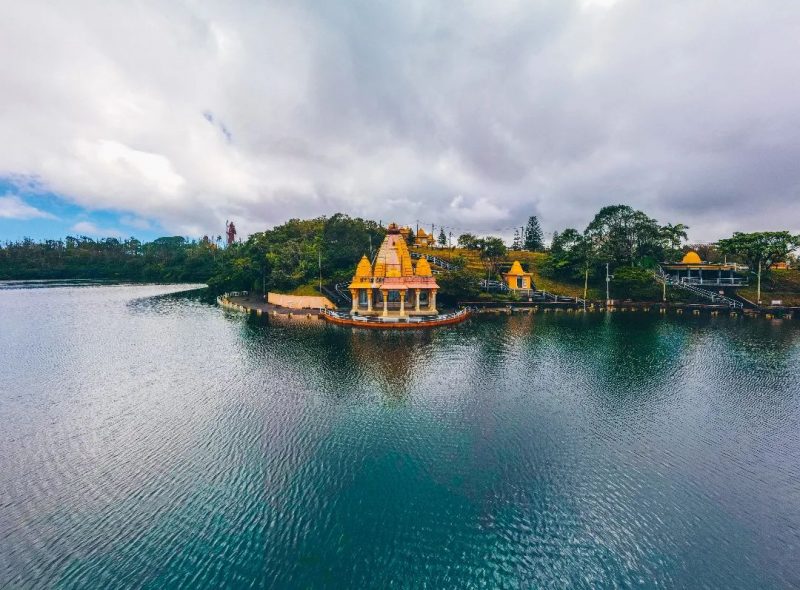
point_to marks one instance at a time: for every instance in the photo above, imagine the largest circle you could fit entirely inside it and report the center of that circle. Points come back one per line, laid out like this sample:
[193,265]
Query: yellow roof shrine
[516,270]
[691,257]
[364,268]
[423,268]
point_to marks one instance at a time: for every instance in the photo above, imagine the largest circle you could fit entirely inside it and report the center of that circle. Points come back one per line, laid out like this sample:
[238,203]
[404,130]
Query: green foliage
[517,243]
[760,249]
[571,256]
[458,285]
[295,254]
[625,236]
[672,236]
[442,237]
[468,241]
[634,283]
[534,240]
[168,259]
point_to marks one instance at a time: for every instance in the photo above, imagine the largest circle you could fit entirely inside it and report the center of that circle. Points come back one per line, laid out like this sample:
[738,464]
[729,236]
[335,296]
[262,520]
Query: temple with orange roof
[390,285]
[692,270]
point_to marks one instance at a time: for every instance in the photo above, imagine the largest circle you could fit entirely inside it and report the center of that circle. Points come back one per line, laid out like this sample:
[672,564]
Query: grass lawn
[531,262]
[778,284]
[311,289]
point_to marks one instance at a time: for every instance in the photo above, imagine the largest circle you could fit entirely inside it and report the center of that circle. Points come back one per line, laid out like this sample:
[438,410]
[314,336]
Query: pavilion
[390,285]
[692,270]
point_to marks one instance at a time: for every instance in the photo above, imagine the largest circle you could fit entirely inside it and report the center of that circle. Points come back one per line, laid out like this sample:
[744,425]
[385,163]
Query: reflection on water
[155,440]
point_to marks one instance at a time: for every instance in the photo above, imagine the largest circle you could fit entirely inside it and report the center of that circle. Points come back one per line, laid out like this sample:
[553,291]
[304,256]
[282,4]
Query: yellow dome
[423,268]
[516,269]
[364,268]
[691,257]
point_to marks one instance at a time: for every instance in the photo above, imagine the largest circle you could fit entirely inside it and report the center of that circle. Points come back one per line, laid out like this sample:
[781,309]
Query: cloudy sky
[163,117]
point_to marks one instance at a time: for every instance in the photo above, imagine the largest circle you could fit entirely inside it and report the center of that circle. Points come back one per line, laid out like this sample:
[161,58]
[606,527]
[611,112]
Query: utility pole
[759,283]
[585,285]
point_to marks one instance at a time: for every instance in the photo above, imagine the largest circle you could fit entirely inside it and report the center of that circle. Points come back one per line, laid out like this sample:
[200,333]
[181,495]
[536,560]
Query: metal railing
[489,285]
[666,279]
[435,260]
[717,282]
[344,292]
[547,296]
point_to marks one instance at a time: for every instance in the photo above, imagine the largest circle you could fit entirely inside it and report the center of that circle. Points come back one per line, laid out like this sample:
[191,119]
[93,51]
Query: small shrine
[517,279]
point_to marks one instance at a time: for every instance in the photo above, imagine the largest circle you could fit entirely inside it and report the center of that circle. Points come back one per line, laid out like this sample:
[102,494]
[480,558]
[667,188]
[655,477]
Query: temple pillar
[354,295]
[402,303]
[385,295]
[416,307]
[369,299]
[433,300]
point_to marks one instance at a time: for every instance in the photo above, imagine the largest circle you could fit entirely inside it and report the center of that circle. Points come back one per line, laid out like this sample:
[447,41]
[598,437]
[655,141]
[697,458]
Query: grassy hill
[779,284]
[531,262]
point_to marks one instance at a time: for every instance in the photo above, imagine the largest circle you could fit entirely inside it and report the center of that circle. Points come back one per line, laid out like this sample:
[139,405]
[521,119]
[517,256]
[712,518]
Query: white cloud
[12,207]
[135,222]
[190,114]
[87,228]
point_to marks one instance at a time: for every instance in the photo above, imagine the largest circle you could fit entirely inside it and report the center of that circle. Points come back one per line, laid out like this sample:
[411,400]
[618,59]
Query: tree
[673,237]
[468,241]
[534,240]
[442,237]
[458,285]
[760,249]
[621,234]
[492,249]
[517,243]
[634,283]
[571,255]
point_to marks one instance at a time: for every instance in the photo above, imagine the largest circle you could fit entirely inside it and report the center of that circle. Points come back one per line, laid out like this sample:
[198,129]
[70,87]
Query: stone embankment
[254,304]
[494,307]
[245,302]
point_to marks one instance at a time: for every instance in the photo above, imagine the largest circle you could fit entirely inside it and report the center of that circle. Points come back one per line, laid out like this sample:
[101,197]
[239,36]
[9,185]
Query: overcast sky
[167,117]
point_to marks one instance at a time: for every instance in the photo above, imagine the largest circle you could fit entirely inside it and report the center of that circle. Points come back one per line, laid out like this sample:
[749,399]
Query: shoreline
[252,304]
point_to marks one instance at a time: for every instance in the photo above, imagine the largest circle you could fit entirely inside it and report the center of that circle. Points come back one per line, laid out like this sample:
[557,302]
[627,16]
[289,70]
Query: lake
[153,440]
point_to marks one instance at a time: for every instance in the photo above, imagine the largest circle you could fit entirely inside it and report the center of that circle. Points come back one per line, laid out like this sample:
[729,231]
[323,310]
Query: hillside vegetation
[781,285]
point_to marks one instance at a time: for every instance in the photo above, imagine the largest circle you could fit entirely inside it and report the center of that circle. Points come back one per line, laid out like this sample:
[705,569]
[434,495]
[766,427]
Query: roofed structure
[387,284]
[517,279]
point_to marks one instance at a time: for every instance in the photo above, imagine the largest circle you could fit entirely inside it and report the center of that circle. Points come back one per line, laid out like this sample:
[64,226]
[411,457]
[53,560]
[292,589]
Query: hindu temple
[391,285]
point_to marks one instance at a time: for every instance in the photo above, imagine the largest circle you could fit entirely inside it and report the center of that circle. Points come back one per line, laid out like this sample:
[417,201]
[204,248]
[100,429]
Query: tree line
[167,259]
[305,252]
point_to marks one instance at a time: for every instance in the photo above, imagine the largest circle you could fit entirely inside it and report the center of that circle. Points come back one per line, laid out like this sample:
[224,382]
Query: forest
[298,255]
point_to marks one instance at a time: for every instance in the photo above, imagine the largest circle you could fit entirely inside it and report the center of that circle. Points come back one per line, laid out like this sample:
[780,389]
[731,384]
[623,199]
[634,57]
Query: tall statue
[230,231]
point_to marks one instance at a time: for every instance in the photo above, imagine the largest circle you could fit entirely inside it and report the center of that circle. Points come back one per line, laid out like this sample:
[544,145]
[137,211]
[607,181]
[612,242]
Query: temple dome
[364,268]
[423,268]
[516,269]
[691,257]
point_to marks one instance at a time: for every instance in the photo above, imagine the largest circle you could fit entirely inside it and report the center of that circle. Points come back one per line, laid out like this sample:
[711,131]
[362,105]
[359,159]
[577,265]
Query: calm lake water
[152,440]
